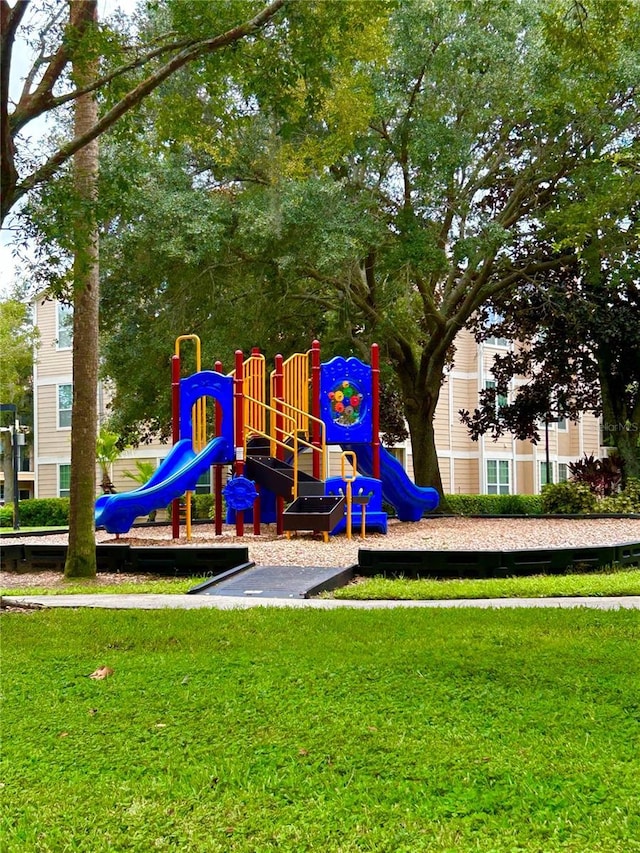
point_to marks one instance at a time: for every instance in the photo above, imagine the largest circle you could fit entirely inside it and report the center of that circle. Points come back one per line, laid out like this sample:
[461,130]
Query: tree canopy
[438,176]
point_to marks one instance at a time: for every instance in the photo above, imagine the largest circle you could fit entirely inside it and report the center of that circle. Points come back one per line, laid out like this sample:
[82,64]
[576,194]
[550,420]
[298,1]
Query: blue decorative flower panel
[345,400]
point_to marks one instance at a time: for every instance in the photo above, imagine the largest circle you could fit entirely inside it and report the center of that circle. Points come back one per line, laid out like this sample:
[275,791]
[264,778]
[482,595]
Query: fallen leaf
[63,734]
[101,672]
[93,712]
[303,751]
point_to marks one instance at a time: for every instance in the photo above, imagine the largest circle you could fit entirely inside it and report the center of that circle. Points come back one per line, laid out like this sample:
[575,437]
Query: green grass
[612,582]
[264,730]
[606,583]
[159,586]
[9,532]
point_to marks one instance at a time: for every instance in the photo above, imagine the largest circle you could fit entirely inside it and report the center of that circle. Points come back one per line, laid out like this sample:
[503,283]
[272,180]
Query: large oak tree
[395,210]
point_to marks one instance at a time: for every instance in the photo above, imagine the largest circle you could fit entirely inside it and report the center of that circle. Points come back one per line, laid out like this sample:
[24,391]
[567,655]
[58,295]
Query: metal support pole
[217,488]
[16,466]
[375,409]
[278,388]
[315,408]
[175,435]
[238,393]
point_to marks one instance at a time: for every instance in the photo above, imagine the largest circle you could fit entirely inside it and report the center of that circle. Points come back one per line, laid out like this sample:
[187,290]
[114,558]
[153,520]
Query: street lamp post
[14,431]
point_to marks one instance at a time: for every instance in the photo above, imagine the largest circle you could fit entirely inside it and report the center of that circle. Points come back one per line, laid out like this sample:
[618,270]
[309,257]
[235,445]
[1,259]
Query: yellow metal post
[349,455]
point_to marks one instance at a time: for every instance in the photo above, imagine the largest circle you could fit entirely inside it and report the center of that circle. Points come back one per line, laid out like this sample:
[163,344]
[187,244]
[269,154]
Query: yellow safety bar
[350,456]
[291,434]
[295,387]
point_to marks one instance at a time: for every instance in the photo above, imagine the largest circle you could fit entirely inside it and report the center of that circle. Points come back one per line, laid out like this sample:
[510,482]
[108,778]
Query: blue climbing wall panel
[345,400]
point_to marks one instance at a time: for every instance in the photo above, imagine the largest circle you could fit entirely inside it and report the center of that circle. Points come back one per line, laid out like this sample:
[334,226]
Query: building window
[501,399]
[399,454]
[562,425]
[65,400]
[546,474]
[498,477]
[64,338]
[563,472]
[493,319]
[203,486]
[64,480]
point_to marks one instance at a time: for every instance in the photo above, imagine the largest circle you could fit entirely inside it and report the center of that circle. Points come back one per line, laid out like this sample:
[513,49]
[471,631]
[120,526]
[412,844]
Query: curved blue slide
[175,475]
[410,501]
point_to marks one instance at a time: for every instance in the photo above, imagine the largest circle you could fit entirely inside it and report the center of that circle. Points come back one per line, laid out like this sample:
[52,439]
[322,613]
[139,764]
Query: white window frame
[500,484]
[492,319]
[60,410]
[64,493]
[204,484]
[64,333]
[542,473]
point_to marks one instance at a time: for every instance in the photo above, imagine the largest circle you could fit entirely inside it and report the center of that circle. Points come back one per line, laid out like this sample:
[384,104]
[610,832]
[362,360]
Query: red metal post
[278,389]
[217,469]
[255,351]
[238,394]
[315,407]
[175,434]
[375,409]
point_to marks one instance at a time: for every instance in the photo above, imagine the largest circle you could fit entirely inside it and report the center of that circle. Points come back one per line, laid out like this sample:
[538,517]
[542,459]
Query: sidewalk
[220,602]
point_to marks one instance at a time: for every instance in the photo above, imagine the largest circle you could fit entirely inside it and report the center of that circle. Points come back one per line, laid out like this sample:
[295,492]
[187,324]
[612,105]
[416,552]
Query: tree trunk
[81,556]
[420,407]
[621,424]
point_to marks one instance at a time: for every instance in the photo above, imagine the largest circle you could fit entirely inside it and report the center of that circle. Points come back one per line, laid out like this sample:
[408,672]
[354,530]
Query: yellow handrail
[293,434]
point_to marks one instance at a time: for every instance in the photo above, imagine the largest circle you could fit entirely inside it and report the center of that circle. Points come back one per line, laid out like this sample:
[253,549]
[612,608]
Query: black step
[314,513]
[275,475]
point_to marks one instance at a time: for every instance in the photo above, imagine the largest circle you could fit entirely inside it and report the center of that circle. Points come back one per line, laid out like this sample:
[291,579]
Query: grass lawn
[159,586]
[612,582]
[267,730]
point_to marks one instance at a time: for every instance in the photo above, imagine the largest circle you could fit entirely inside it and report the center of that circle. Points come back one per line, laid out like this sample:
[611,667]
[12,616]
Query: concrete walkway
[219,602]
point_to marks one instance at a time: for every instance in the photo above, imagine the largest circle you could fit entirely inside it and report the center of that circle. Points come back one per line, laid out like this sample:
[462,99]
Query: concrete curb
[220,602]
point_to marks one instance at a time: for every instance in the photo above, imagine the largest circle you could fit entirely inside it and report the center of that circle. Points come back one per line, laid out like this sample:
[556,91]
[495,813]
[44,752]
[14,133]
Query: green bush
[6,516]
[202,506]
[492,504]
[626,501]
[568,499]
[44,512]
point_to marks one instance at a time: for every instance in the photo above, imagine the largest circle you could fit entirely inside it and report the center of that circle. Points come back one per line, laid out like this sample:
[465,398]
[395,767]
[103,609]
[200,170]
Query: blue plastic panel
[410,501]
[207,383]
[345,400]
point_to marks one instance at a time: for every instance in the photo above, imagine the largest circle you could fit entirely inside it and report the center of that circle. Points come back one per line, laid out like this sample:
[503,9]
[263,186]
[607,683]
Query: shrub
[44,512]
[492,504]
[568,499]
[202,506]
[603,476]
[626,501]
[6,516]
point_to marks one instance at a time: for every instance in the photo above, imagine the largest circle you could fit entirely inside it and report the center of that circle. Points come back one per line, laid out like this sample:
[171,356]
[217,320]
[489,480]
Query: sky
[21,60]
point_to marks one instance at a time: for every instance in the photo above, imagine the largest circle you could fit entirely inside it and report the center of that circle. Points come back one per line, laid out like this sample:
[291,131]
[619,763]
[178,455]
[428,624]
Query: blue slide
[410,501]
[175,475]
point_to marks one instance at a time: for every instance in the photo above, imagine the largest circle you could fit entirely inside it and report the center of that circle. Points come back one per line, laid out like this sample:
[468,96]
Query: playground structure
[262,429]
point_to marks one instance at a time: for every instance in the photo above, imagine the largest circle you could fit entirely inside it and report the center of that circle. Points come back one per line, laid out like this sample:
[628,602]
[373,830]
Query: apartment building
[506,466]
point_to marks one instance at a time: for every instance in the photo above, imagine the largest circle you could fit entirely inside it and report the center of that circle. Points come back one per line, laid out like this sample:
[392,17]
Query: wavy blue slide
[175,475]
[410,501]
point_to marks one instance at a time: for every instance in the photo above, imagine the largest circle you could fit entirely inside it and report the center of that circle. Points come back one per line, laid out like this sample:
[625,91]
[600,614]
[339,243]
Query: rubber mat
[281,582]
